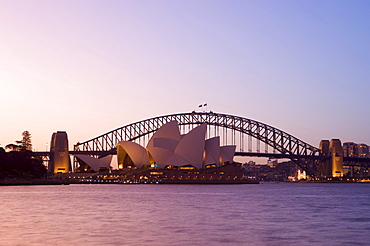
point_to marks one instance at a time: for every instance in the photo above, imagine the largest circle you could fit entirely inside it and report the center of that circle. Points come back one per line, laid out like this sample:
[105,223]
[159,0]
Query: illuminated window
[156,173]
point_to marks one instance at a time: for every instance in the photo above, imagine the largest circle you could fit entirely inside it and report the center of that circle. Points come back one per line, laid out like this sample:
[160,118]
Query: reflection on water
[264,214]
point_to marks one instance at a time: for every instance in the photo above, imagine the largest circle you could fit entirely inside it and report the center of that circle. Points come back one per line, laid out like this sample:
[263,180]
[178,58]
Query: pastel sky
[88,67]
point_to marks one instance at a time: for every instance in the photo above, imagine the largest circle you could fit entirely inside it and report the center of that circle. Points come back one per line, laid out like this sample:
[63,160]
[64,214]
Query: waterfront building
[272,163]
[362,151]
[349,149]
[301,175]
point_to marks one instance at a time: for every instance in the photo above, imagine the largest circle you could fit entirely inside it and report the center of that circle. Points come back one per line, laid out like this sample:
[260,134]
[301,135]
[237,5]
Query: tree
[21,164]
[25,143]
[13,147]
[20,161]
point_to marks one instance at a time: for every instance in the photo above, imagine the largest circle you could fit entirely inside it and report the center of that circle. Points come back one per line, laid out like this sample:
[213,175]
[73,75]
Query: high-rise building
[362,150]
[349,149]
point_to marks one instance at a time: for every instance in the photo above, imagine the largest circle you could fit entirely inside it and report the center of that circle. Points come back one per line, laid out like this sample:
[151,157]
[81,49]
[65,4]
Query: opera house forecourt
[169,157]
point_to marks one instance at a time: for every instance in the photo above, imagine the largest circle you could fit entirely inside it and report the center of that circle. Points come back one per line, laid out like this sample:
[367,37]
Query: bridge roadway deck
[350,161]
[251,154]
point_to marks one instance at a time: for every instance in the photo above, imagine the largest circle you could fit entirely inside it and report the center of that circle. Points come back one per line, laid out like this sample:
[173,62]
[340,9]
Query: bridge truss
[248,135]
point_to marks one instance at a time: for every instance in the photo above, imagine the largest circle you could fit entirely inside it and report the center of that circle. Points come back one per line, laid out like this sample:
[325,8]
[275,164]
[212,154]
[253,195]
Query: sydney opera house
[172,155]
[168,148]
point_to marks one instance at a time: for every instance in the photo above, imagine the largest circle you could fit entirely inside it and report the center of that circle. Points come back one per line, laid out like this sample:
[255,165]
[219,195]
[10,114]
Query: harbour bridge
[252,138]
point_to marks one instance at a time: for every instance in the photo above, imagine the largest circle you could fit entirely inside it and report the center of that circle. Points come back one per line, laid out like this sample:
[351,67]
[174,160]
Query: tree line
[18,161]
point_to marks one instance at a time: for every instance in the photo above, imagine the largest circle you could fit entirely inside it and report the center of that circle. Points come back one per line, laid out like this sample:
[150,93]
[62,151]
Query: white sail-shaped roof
[212,149]
[106,160]
[168,130]
[227,153]
[95,163]
[177,160]
[114,163]
[191,146]
[163,143]
[168,147]
[136,152]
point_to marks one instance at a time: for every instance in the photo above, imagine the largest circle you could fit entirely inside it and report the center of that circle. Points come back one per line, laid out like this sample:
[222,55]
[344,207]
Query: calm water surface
[264,214]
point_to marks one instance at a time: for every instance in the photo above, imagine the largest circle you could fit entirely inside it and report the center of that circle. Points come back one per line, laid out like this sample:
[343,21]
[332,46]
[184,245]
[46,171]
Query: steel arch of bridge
[280,141]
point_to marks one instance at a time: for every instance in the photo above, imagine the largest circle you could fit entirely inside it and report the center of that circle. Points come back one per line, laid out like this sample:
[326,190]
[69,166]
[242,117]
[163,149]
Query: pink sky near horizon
[88,67]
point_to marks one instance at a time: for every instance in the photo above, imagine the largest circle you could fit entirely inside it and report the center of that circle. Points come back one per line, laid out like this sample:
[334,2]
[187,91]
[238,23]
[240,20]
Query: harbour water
[258,214]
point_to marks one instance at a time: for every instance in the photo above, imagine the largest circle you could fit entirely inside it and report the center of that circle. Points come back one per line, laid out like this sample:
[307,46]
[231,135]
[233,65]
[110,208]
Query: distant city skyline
[89,67]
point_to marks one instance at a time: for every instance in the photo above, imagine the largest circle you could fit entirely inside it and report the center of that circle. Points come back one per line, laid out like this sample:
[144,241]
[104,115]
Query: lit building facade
[349,149]
[332,167]
[362,151]
[59,155]
[336,150]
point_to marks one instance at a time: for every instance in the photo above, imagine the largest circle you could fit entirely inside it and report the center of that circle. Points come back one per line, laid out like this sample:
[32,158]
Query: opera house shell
[168,148]
[93,163]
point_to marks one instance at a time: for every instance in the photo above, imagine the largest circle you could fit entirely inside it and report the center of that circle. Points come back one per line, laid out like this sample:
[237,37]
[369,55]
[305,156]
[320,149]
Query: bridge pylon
[59,154]
[331,163]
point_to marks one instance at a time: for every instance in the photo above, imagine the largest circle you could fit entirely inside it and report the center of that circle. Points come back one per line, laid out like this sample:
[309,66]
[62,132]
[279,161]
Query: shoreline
[14,182]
